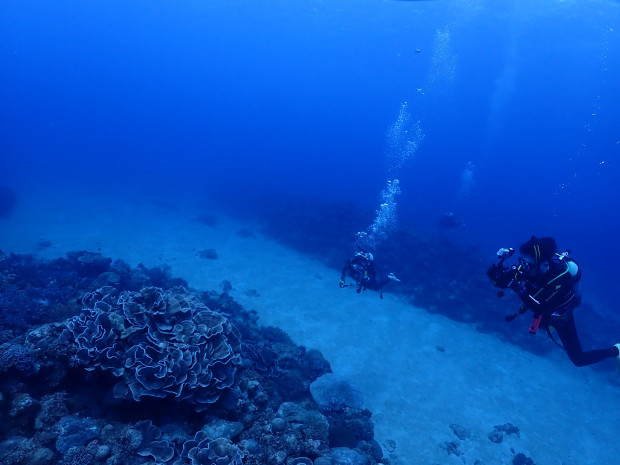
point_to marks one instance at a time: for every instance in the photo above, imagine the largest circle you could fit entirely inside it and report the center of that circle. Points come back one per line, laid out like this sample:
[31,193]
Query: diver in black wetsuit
[548,285]
[362,268]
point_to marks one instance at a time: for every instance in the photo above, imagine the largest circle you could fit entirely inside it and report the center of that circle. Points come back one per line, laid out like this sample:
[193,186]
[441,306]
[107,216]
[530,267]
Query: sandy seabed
[423,375]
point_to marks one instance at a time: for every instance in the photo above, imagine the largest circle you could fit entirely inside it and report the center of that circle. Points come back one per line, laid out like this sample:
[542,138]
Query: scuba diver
[362,268]
[548,284]
[449,221]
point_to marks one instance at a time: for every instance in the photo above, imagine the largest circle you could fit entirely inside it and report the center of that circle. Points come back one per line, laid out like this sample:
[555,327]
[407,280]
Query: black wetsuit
[554,296]
[365,274]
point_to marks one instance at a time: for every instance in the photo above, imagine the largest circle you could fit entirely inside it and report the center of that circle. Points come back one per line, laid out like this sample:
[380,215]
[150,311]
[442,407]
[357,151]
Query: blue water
[237,98]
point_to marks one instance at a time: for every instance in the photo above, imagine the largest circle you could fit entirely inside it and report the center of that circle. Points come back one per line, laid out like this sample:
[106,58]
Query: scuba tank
[571,265]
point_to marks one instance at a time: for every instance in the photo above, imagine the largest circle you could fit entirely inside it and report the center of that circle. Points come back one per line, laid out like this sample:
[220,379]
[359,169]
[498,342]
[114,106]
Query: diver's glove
[341,284]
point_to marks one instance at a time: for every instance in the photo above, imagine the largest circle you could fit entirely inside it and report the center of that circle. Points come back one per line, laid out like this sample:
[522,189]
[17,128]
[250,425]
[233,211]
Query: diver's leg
[568,335]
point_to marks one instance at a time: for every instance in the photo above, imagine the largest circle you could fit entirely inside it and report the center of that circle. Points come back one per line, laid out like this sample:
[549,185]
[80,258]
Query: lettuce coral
[159,343]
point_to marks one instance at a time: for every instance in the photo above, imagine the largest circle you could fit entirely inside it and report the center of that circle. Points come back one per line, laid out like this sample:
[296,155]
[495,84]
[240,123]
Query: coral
[293,431]
[341,456]
[90,264]
[80,456]
[332,392]
[152,444]
[341,436]
[74,432]
[350,428]
[159,347]
[53,408]
[17,358]
[218,428]
[41,456]
[24,409]
[522,459]
[275,334]
[316,363]
[203,450]
[17,309]
[501,431]
[160,343]
[451,448]
[460,432]
[124,442]
[17,450]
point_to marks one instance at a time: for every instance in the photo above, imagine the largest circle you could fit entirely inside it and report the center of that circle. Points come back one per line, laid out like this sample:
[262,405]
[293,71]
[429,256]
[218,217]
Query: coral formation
[16,357]
[160,343]
[333,392]
[501,431]
[126,366]
[202,450]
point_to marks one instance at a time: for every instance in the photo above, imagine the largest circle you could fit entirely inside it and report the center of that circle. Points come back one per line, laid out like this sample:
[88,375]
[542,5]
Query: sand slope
[420,373]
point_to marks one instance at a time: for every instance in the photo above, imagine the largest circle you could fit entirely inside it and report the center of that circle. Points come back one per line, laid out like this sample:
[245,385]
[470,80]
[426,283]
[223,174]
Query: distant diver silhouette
[363,269]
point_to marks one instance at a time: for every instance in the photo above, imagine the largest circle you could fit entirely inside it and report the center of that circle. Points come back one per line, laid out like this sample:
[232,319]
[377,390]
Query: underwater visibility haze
[297,97]
[504,113]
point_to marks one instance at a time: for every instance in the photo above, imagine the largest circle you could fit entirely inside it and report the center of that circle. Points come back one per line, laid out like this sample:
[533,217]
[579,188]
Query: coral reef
[127,366]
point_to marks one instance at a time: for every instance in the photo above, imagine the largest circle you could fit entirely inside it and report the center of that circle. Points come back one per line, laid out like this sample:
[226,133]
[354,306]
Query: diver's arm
[543,299]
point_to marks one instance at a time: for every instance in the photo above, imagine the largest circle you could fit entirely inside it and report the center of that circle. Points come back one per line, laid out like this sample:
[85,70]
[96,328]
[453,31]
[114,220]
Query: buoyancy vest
[558,293]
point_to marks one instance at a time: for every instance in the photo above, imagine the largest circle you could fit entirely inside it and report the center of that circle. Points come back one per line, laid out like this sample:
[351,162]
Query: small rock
[451,448]
[279,457]
[89,258]
[23,407]
[501,431]
[460,432]
[75,431]
[251,446]
[278,425]
[209,254]
[42,456]
[522,459]
[109,277]
[103,452]
[333,392]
